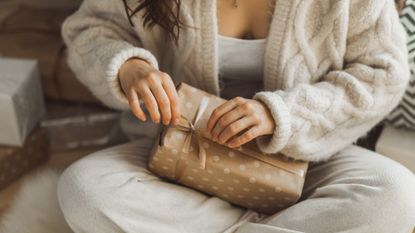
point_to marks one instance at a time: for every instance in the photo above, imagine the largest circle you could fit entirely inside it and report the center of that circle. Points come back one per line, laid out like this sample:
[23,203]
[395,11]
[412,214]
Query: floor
[58,160]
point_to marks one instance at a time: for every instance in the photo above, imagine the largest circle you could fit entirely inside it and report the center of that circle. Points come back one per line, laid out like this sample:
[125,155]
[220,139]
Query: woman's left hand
[238,115]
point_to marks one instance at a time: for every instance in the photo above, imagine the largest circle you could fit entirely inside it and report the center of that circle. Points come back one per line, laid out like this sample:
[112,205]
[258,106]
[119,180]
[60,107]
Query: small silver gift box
[21,100]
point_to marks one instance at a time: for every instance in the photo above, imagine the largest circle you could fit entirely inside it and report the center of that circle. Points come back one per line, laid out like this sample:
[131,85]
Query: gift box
[245,176]
[135,129]
[21,100]
[34,33]
[73,126]
[15,161]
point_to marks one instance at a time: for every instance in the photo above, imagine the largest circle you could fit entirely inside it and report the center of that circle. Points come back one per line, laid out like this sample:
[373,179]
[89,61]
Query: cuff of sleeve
[115,64]
[274,143]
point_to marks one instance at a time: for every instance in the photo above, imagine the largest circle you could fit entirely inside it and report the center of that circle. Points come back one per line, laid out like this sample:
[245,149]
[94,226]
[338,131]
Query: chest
[286,62]
[246,19]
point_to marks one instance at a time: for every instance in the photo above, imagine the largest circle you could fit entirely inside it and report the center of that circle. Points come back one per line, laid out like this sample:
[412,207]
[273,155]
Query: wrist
[129,69]
[133,62]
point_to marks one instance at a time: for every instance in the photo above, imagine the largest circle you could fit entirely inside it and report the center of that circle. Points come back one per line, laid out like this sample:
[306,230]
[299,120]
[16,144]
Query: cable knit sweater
[333,69]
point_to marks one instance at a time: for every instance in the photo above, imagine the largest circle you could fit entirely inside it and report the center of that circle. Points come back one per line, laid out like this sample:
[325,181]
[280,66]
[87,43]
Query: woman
[302,78]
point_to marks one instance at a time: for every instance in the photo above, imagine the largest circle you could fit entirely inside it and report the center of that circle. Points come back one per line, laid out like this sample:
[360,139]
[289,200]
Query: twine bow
[189,127]
[192,132]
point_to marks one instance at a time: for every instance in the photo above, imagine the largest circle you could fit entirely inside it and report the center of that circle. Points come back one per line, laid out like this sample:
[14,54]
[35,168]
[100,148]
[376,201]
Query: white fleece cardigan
[333,69]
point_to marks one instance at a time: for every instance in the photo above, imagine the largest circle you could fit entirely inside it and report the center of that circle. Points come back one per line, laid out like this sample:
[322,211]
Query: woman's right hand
[140,80]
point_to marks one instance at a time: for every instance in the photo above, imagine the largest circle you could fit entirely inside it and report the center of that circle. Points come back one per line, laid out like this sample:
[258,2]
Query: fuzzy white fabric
[112,191]
[333,69]
[35,209]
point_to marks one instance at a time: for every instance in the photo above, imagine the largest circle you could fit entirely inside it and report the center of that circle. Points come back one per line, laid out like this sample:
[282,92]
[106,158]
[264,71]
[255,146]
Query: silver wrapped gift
[76,125]
[21,100]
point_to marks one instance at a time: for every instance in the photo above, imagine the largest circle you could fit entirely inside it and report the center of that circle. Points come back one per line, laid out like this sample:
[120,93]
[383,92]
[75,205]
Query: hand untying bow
[236,116]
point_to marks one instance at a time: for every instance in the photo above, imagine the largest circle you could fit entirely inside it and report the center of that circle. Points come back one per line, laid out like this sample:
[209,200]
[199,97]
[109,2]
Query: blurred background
[49,119]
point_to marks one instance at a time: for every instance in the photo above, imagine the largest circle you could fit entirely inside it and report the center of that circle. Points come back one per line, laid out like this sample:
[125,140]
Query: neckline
[241,40]
[208,20]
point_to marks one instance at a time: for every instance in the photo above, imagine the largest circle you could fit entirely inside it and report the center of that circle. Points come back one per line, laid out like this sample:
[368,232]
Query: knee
[78,199]
[392,204]
[399,186]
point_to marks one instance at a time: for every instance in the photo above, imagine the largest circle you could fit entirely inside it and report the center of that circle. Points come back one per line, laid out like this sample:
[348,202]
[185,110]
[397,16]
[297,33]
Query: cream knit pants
[355,191]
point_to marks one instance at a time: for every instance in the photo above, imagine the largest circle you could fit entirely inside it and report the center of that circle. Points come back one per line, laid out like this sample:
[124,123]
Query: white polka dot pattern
[242,187]
[265,185]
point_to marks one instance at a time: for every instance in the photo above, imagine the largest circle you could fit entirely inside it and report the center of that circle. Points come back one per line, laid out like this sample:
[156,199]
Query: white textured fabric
[336,68]
[355,191]
[241,66]
[35,207]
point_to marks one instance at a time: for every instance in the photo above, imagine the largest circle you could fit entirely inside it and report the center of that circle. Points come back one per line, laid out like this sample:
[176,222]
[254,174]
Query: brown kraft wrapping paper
[244,176]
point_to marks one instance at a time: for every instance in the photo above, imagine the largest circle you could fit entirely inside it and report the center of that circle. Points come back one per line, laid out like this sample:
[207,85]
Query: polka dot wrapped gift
[245,176]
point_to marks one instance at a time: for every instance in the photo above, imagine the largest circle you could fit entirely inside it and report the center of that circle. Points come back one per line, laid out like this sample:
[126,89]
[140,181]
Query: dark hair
[164,13]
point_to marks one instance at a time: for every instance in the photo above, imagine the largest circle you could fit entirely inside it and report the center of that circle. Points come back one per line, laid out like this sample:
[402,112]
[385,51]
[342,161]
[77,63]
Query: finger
[135,105]
[171,92]
[235,128]
[249,135]
[151,104]
[163,102]
[221,110]
[227,119]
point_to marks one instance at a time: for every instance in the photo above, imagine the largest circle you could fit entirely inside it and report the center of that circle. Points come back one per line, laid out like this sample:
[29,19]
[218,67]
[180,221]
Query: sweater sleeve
[316,120]
[100,39]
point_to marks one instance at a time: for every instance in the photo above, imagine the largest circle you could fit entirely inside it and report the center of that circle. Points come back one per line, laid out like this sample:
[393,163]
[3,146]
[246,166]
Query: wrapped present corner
[245,176]
[21,100]
[15,161]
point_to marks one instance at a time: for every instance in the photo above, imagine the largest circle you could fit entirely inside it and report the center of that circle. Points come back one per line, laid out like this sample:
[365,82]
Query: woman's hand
[238,115]
[140,80]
